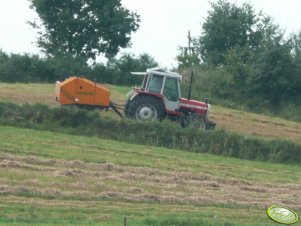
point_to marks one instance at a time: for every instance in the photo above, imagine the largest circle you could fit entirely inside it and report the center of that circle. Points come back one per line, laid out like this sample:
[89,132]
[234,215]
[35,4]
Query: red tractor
[157,98]
[160,97]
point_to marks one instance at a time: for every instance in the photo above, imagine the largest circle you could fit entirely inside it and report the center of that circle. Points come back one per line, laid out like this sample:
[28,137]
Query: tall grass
[165,134]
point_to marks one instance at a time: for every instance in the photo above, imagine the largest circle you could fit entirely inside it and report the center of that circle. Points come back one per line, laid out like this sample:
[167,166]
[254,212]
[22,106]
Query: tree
[251,49]
[229,26]
[122,66]
[187,60]
[274,79]
[296,39]
[84,28]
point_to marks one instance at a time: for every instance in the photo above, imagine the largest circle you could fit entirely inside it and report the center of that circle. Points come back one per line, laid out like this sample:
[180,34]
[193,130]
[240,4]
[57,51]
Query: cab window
[155,83]
[171,91]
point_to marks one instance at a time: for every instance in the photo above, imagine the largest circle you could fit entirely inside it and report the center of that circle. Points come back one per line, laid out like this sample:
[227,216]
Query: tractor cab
[158,81]
[165,85]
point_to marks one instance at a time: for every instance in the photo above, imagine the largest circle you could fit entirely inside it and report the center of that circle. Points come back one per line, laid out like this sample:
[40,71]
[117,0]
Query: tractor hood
[197,106]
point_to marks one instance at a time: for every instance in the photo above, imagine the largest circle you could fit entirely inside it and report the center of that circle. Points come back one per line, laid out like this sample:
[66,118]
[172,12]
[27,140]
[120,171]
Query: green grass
[50,178]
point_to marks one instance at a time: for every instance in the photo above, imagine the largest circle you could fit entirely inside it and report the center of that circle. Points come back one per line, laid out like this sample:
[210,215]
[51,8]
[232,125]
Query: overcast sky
[164,24]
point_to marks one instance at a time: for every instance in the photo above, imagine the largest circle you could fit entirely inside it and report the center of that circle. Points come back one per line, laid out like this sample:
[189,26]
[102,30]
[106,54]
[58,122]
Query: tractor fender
[157,96]
[140,92]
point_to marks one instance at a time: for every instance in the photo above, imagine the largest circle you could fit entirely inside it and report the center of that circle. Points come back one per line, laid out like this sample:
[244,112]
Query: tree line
[33,68]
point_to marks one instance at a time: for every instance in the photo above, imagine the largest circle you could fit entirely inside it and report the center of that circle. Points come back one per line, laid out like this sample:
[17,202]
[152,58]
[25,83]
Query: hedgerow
[162,134]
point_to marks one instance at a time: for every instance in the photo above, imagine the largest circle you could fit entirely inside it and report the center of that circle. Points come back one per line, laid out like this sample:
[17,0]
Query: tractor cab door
[171,93]
[168,87]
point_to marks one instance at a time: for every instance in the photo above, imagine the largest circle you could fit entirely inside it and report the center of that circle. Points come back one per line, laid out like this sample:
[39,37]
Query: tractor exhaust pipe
[190,85]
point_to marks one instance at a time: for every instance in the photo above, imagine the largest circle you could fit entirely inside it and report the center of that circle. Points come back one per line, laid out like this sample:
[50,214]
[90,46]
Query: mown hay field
[57,179]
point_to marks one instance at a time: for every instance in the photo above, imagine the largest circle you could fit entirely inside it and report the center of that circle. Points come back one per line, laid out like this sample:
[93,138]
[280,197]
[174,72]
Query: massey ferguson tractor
[159,97]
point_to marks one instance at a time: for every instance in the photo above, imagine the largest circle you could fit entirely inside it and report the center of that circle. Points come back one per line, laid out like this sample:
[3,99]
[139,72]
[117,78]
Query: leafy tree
[122,66]
[129,62]
[83,28]
[186,60]
[230,26]
[275,73]
[251,49]
[296,40]
[64,66]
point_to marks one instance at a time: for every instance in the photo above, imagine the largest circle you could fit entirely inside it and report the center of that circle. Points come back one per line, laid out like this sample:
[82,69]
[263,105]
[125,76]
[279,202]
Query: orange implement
[81,91]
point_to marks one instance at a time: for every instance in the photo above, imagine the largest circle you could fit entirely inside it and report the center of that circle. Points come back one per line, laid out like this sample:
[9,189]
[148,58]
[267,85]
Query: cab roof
[161,71]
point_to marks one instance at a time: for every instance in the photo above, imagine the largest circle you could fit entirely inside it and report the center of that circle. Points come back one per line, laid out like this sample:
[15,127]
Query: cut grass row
[51,178]
[51,145]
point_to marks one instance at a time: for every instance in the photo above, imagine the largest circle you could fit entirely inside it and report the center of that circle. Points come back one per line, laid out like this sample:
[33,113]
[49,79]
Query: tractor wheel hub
[146,113]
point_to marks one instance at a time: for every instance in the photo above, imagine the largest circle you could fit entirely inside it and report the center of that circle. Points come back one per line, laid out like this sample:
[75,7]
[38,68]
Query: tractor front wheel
[193,120]
[146,108]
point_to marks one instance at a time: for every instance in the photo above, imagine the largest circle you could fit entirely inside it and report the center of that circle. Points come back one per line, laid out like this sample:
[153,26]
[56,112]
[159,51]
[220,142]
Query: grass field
[49,178]
[228,119]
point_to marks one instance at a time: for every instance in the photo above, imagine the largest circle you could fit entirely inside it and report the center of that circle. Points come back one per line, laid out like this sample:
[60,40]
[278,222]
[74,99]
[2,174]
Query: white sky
[164,24]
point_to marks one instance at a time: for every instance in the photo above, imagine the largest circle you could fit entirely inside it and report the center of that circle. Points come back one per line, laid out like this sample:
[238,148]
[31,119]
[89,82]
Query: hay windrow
[78,180]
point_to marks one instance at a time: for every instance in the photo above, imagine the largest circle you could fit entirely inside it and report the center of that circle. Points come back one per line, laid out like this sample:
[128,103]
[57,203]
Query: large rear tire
[145,109]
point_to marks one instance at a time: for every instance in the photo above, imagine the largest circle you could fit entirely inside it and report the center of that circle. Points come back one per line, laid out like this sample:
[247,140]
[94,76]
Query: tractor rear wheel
[146,108]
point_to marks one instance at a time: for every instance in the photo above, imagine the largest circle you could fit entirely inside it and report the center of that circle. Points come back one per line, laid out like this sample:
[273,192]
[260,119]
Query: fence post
[125,221]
